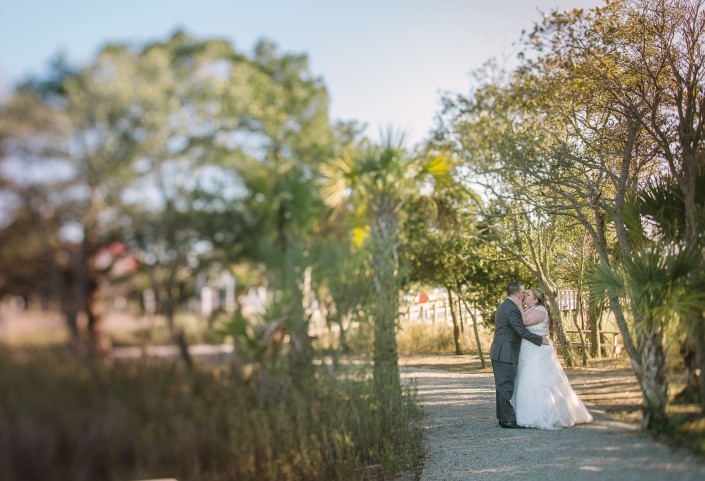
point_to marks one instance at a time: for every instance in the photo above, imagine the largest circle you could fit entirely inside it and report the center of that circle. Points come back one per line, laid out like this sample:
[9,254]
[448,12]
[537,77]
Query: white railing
[433,311]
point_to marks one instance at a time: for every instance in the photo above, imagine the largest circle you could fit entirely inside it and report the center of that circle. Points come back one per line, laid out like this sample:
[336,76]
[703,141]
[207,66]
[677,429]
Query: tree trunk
[477,335]
[653,383]
[99,342]
[342,335]
[177,334]
[292,280]
[460,316]
[693,162]
[594,334]
[384,273]
[698,336]
[456,330]
[61,276]
[566,348]
[691,392]
[301,354]
[70,314]
[580,333]
[593,316]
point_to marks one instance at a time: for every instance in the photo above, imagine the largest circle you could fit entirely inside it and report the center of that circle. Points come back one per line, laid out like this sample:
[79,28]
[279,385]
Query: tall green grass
[65,419]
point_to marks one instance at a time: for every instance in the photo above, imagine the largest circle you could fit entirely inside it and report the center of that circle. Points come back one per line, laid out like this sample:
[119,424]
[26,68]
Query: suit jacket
[508,331]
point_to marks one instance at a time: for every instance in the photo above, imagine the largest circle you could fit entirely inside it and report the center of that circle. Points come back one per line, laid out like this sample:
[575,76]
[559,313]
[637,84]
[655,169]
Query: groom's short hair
[513,288]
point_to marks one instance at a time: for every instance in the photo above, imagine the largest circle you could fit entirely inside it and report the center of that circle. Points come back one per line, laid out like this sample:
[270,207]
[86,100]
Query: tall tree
[187,132]
[645,58]
[572,119]
[666,43]
[94,158]
[380,180]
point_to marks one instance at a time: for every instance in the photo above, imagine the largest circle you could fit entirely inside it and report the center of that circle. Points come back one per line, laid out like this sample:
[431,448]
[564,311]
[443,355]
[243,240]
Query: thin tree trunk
[566,347]
[477,335]
[688,351]
[581,305]
[456,330]
[178,334]
[580,334]
[698,336]
[593,316]
[99,342]
[460,316]
[552,299]
[342,334]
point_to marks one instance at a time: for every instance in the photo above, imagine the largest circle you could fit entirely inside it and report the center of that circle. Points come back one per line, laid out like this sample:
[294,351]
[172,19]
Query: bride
[543,397]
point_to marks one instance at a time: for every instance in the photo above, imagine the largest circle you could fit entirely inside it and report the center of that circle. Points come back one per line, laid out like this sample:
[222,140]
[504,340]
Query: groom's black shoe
[510,425]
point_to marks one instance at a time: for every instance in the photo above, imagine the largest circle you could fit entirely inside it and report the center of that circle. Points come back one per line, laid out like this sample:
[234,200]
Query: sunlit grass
[421,338]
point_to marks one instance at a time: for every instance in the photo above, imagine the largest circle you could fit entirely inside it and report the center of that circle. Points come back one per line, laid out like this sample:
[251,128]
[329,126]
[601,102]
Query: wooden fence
[434,311]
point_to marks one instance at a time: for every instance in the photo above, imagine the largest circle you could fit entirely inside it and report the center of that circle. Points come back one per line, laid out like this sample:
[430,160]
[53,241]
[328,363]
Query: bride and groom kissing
[532,389]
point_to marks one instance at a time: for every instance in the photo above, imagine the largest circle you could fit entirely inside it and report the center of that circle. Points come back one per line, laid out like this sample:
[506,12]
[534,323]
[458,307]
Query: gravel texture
[463,442]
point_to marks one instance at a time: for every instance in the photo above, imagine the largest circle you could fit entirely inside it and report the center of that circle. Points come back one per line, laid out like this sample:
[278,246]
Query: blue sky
[384,62]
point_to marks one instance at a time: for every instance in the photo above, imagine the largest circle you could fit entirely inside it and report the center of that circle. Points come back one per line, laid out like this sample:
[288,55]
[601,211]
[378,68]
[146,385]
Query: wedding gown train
[543,397]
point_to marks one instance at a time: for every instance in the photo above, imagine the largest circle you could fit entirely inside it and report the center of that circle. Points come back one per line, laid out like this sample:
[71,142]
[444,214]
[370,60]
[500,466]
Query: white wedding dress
[543,397]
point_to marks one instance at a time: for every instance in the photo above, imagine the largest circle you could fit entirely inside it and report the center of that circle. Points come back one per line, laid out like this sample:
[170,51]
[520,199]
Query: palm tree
[655,282]
[377,181]
[661,201]
[652,284]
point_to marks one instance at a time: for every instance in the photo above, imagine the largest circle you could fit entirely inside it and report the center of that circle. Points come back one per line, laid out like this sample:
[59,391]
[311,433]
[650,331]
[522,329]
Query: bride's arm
[534,316]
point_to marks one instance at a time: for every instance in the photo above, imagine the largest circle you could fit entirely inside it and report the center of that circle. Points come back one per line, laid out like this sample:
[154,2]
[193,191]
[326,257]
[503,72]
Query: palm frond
[661,205]
[601,278]
[652,282]
[393,139]
[338,175]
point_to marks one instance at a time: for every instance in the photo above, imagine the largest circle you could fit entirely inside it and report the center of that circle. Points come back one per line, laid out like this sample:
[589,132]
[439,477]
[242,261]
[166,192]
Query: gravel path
[463,442]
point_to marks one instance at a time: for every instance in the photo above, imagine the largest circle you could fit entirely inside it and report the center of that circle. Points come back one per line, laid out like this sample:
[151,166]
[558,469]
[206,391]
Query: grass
[62,418]
[687,428]
[421,338]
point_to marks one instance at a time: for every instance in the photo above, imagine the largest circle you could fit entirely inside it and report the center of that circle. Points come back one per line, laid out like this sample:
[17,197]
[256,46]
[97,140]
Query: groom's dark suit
[508,331]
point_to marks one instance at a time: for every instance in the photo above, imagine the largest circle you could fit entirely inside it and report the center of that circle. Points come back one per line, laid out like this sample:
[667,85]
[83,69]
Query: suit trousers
[504,373]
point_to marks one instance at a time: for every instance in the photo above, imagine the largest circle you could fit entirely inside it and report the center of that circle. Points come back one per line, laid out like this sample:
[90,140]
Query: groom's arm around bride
[504,352]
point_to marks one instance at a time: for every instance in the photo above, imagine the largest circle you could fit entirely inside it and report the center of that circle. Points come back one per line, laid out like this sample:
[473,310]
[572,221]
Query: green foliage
[659,280]
[652,283]
[461,259]
[657,210]
[64,420]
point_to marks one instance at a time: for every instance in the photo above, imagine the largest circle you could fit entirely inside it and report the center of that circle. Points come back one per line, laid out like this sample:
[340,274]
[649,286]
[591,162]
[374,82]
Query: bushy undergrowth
[64,419]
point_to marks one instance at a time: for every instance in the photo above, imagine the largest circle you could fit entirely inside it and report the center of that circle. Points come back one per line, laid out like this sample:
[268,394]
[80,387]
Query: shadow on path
[463,442]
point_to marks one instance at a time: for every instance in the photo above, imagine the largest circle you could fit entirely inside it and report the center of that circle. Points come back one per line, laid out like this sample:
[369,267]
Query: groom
[508,331]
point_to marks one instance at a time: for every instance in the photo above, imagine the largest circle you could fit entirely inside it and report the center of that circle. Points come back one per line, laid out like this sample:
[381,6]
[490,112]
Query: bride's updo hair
[541,301]
[538,293]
